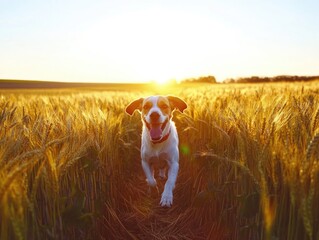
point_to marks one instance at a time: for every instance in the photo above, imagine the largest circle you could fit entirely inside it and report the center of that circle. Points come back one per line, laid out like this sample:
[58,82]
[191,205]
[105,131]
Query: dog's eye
[164,106]
[146,107]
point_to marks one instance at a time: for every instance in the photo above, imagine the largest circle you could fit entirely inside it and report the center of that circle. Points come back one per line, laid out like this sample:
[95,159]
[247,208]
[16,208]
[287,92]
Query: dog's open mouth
[156,130]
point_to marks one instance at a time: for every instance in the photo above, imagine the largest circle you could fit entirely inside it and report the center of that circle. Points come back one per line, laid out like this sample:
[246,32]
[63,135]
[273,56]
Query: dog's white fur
[164,149]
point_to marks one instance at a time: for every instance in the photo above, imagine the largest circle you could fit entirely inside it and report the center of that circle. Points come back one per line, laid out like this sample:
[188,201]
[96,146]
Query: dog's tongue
[156,132]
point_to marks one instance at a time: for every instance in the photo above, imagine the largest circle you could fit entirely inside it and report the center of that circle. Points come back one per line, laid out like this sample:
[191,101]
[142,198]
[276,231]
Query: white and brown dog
[159,139]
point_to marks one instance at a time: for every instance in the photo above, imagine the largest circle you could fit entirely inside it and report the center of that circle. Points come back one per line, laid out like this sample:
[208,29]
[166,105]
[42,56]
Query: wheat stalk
[314,119]
[312,146]
[12,176]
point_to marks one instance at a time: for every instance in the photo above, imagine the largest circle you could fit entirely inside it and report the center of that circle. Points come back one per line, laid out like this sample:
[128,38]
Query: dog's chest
[159,161]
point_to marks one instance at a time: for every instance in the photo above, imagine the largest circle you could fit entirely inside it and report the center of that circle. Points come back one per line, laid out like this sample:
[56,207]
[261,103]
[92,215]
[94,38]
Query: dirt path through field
[140,216]
[148,220]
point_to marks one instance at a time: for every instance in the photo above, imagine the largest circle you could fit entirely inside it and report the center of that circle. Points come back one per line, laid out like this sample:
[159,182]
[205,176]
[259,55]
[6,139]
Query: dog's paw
[151,182]
[167,200]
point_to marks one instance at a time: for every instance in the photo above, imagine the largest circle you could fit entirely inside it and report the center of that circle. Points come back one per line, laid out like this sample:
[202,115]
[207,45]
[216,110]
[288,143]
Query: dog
[159,140]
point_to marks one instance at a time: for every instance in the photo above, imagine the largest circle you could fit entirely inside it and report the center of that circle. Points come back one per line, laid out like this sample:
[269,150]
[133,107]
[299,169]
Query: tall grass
[70,166]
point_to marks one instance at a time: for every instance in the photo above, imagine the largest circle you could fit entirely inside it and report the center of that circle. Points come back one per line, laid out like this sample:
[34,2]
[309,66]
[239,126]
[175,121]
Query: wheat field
[70,165]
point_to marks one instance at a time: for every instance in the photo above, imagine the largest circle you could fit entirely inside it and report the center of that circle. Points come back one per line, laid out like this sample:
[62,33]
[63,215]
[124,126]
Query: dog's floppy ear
[177,103]
[135,105]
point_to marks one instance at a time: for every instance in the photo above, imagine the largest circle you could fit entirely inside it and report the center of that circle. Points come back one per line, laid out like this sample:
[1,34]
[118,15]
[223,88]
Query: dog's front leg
[167,195]
[149,174]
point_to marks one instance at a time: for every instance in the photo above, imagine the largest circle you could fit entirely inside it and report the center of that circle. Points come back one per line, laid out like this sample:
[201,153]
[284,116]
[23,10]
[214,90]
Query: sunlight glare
[152,50]
[162,81]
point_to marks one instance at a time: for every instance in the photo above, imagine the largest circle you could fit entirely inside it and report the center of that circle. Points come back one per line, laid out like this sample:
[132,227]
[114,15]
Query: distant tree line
[281,78]
[206,79]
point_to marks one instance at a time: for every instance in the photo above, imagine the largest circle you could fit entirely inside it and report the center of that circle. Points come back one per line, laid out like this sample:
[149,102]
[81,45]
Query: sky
[145,40]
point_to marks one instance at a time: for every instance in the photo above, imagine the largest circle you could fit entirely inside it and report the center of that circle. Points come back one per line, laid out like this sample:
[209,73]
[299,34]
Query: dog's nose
[154,116]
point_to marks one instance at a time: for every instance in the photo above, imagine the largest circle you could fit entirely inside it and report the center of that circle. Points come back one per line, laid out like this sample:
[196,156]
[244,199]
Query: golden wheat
[70,165]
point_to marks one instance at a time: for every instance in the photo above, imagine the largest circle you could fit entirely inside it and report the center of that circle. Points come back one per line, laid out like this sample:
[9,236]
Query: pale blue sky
[138,41]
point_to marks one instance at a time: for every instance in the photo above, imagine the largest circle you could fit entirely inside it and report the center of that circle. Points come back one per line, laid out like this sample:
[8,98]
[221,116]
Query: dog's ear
[177,103]
[135,105]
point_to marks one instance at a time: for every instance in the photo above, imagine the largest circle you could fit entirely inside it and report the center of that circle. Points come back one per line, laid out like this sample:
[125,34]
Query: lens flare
[185,149]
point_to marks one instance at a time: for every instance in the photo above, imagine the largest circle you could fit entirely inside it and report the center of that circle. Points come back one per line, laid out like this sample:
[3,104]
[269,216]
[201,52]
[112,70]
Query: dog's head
[156,112]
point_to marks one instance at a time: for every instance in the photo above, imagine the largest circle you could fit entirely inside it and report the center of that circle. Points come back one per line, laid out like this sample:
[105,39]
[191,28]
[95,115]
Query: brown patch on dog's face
[164,106]
[147,105]
[158,104]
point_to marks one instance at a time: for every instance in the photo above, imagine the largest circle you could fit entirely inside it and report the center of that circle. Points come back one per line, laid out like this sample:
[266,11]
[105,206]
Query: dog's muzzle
[156,129]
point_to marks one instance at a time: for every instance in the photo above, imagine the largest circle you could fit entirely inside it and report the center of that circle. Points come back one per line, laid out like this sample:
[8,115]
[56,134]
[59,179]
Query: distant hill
[24,84]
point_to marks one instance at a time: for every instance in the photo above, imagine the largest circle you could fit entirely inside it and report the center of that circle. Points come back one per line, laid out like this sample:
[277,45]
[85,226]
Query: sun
[162,81]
